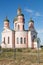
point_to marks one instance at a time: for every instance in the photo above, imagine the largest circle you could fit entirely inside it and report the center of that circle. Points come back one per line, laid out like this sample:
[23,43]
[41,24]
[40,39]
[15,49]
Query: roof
[15,19]
[31,20]
[21,15]
[6,19]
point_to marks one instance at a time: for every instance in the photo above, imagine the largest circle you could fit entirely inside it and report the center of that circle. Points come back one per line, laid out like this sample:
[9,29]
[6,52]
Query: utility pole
[38,45]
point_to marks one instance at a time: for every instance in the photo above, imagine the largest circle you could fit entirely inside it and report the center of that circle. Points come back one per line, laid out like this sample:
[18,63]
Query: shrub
[7,50]
[0,48]
[19,50]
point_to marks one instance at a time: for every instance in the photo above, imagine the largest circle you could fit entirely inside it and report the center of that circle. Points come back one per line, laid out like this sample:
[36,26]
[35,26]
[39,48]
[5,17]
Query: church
[19,37]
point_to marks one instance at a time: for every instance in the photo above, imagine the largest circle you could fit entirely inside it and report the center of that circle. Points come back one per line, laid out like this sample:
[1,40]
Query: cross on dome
[19,11]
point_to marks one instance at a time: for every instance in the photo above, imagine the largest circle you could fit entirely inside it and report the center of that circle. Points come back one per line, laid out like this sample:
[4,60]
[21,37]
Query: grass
[20,57]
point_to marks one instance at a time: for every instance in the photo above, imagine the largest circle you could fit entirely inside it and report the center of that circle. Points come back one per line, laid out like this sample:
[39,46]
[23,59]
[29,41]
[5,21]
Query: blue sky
[30,8]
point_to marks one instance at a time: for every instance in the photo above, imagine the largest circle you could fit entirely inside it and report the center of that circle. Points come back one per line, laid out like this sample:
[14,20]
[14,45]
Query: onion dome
[6,19]
[15,19]
[31,23]
[31,20]
[21,15]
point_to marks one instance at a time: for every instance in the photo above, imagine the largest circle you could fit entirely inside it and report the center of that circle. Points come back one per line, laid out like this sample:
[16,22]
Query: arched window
[8,40]
[4,40]
[21,40]
[23,27]
[17,40]
[18,27]
[24,40]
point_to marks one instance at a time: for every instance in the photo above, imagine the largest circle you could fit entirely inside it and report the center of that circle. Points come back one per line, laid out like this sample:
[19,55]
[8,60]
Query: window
[17,40]
[23,27]
[21,40]
[24,40]
[18,27]
[4,40]
[8,40]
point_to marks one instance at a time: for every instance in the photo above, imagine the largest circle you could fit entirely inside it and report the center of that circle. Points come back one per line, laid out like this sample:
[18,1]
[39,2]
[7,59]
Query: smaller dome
[15,19]
[31,20]
[6,19]
[21,15]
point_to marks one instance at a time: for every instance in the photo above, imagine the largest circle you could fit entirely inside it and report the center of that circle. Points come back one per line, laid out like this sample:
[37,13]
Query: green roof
[31,20]
[6,19]
[15,19]
[21,15]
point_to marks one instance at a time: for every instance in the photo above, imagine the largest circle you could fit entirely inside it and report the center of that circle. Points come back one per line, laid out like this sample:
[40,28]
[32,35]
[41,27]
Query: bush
[7,50]
[0,48]
[28,50]
[19,50]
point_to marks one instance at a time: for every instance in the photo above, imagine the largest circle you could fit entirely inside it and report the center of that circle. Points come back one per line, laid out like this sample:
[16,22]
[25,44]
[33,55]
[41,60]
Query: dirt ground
[14,62]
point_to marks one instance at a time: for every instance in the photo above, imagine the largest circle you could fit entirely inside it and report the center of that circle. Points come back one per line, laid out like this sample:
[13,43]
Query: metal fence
[22,56]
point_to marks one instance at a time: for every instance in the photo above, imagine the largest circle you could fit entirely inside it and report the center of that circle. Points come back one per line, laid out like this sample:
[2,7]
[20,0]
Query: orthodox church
[19,37]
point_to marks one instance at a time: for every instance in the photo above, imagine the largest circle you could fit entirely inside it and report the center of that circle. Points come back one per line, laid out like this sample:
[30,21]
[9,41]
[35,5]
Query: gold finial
[19,11]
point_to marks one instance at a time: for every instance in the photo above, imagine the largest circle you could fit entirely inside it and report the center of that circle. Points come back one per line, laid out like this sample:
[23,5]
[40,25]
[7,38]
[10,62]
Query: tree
[38,42]
[0,48]
[38,45]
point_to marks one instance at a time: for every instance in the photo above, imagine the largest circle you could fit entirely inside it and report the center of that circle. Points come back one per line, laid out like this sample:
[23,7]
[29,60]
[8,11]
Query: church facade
[19,37]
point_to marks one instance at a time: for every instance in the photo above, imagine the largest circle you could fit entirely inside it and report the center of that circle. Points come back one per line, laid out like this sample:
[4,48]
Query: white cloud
[40,31]
[29,10]
[37,14]
[33,12]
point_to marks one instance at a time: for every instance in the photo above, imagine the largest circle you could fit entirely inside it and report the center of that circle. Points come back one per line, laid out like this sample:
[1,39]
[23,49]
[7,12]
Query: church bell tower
[19,21]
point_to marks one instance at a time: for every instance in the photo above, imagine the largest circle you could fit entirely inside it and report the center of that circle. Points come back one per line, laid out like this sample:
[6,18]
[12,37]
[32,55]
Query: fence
[22,56]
